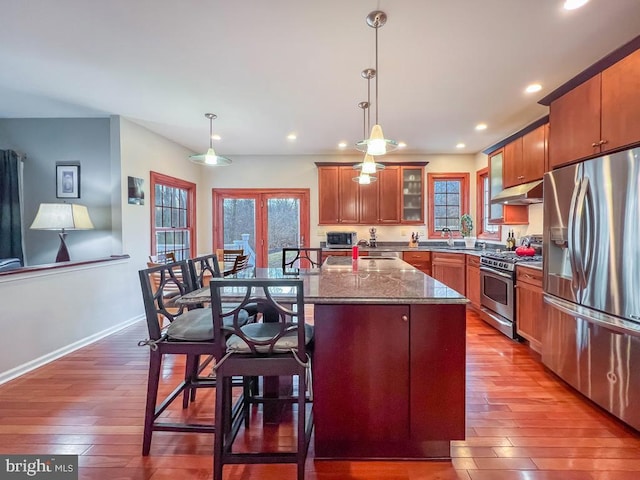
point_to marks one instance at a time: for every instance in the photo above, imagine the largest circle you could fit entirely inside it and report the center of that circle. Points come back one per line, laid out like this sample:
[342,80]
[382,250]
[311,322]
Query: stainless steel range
[497,289]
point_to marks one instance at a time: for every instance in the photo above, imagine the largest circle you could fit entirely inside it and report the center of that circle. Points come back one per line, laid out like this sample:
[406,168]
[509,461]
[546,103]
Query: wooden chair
[189,332]
[228,255]
[293,259]
[240,263]
[167,257]
[278,348]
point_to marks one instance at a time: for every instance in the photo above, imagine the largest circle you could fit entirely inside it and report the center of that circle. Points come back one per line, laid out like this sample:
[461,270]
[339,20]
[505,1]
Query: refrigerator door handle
[576,279]
[579,234]
[623,327]
[588,240]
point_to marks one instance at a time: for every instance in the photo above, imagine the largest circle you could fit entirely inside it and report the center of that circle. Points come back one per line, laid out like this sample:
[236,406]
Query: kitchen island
[389,361]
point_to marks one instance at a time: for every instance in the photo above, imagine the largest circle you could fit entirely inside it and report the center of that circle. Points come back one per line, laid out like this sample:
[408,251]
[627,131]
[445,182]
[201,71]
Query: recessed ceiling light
[481,126]
[573,4]
[460,145]
[216,137]
[342,145]
[402,145]
[534,87]
[292,136]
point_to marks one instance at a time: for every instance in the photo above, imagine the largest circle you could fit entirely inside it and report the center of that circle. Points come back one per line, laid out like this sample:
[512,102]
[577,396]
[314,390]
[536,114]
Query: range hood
[524,194]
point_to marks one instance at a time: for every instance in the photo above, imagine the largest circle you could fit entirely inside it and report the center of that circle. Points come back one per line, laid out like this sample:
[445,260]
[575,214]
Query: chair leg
[155,362]
[302,415]
[221,431]
[190,373]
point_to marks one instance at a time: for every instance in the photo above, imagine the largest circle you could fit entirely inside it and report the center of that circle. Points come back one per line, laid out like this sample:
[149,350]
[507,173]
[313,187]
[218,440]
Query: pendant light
[210,158]
[365,167]
[376,144]
[369,165]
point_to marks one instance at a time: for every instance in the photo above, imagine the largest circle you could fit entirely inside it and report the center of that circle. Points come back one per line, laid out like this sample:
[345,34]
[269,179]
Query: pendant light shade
[369,165]
[210,158]
[364,179]
[376,144]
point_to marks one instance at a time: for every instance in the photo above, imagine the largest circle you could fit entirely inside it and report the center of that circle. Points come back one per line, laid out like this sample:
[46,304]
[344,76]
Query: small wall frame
[68,181]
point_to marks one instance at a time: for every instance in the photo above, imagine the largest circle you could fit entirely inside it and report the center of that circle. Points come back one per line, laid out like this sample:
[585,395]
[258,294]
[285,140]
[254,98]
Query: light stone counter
[376,280]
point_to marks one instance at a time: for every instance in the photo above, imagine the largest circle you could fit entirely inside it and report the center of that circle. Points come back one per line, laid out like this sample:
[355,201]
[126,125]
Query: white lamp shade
[210,158]
[376,144]
[59,216]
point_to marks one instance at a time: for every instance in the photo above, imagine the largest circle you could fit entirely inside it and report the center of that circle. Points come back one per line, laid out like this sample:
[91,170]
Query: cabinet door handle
[602,142]
[405,318]
[595,144]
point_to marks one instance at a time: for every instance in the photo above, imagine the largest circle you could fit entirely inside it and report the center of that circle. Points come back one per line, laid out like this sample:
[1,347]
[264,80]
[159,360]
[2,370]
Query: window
[261,221]
[172,216]
[483,206]
[448,200]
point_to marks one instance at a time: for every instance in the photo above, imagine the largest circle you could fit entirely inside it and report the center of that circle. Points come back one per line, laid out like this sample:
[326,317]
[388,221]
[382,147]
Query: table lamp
[62,216]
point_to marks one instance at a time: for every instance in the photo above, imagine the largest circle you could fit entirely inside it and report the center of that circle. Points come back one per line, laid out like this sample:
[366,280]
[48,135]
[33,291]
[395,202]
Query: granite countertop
[436,247]
[375,280]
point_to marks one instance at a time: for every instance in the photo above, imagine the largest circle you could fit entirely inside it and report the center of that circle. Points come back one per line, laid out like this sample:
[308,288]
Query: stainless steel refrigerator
[591,249]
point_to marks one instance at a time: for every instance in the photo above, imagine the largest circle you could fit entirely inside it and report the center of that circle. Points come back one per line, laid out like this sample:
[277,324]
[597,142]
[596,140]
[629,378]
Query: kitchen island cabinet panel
[437,345]
[368,355]
[389,380]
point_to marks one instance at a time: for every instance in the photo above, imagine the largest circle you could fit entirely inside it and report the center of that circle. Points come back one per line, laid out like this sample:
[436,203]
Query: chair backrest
[161,285]
[167,257]
[225,255]
[240,263]
[282,298]
[203,269]
[295,258]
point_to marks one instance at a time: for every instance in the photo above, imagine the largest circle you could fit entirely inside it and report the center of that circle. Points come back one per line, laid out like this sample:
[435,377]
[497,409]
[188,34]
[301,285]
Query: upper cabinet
[597,116]
[397,197]
[524,158]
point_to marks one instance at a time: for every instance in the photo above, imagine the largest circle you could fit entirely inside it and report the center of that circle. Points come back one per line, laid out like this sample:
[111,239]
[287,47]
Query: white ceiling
[268,68]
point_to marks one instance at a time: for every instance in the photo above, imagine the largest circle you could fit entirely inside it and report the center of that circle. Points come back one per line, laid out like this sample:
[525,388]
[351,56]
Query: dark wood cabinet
[389,199]
[600,115]
[328,195]
[397,197]
[512,169]
[534,151]
[421,259]
[380,375]
[574,124]
[450,269]
[530,309]
[473,280]
[620,115]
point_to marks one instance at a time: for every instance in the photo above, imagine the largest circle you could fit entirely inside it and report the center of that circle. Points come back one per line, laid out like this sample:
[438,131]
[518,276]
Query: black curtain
[10,219]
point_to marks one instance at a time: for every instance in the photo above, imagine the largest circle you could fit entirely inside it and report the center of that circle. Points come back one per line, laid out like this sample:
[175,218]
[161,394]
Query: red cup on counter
[354,252]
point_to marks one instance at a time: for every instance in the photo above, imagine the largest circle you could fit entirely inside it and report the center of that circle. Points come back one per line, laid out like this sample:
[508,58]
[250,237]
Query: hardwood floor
[522,423]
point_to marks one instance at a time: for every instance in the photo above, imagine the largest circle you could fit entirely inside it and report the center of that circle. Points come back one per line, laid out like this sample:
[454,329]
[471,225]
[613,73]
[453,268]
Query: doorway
[261,221]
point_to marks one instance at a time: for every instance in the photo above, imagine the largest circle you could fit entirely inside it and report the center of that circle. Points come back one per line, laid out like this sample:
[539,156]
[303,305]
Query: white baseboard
[61,352]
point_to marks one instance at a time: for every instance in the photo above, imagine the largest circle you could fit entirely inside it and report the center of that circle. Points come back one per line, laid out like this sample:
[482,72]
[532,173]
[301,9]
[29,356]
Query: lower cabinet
[450,269]
[473,280]
[530,309]
[420,259]
[380,377]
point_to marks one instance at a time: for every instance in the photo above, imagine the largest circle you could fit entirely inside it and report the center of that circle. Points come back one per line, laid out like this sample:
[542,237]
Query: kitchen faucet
[449,233]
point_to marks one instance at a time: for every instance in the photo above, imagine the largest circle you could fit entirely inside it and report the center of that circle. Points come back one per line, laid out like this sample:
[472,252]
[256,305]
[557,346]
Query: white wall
[301,172]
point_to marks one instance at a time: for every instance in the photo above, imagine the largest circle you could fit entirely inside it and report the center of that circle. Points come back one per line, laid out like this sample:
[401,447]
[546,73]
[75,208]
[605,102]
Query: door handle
[404,318]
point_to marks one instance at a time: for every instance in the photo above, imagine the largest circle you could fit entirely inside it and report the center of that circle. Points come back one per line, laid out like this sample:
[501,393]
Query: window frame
[463,178]
[482,234]
[173,182]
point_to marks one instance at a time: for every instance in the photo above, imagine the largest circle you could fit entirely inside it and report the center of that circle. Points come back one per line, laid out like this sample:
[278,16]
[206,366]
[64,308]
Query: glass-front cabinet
[412,195]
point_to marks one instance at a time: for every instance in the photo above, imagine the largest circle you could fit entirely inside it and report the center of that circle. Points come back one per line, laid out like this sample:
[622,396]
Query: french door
[261,221]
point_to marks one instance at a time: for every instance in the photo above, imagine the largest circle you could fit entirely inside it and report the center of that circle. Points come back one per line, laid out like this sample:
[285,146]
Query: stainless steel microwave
[341,239]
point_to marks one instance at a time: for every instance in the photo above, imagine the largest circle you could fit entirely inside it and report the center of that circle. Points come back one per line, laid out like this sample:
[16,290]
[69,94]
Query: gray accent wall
[46,141]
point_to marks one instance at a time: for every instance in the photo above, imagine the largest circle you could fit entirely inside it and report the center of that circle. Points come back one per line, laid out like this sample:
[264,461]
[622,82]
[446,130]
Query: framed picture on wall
[68,181]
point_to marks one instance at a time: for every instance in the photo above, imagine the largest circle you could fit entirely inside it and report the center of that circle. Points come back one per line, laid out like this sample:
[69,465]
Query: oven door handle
[495,272]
